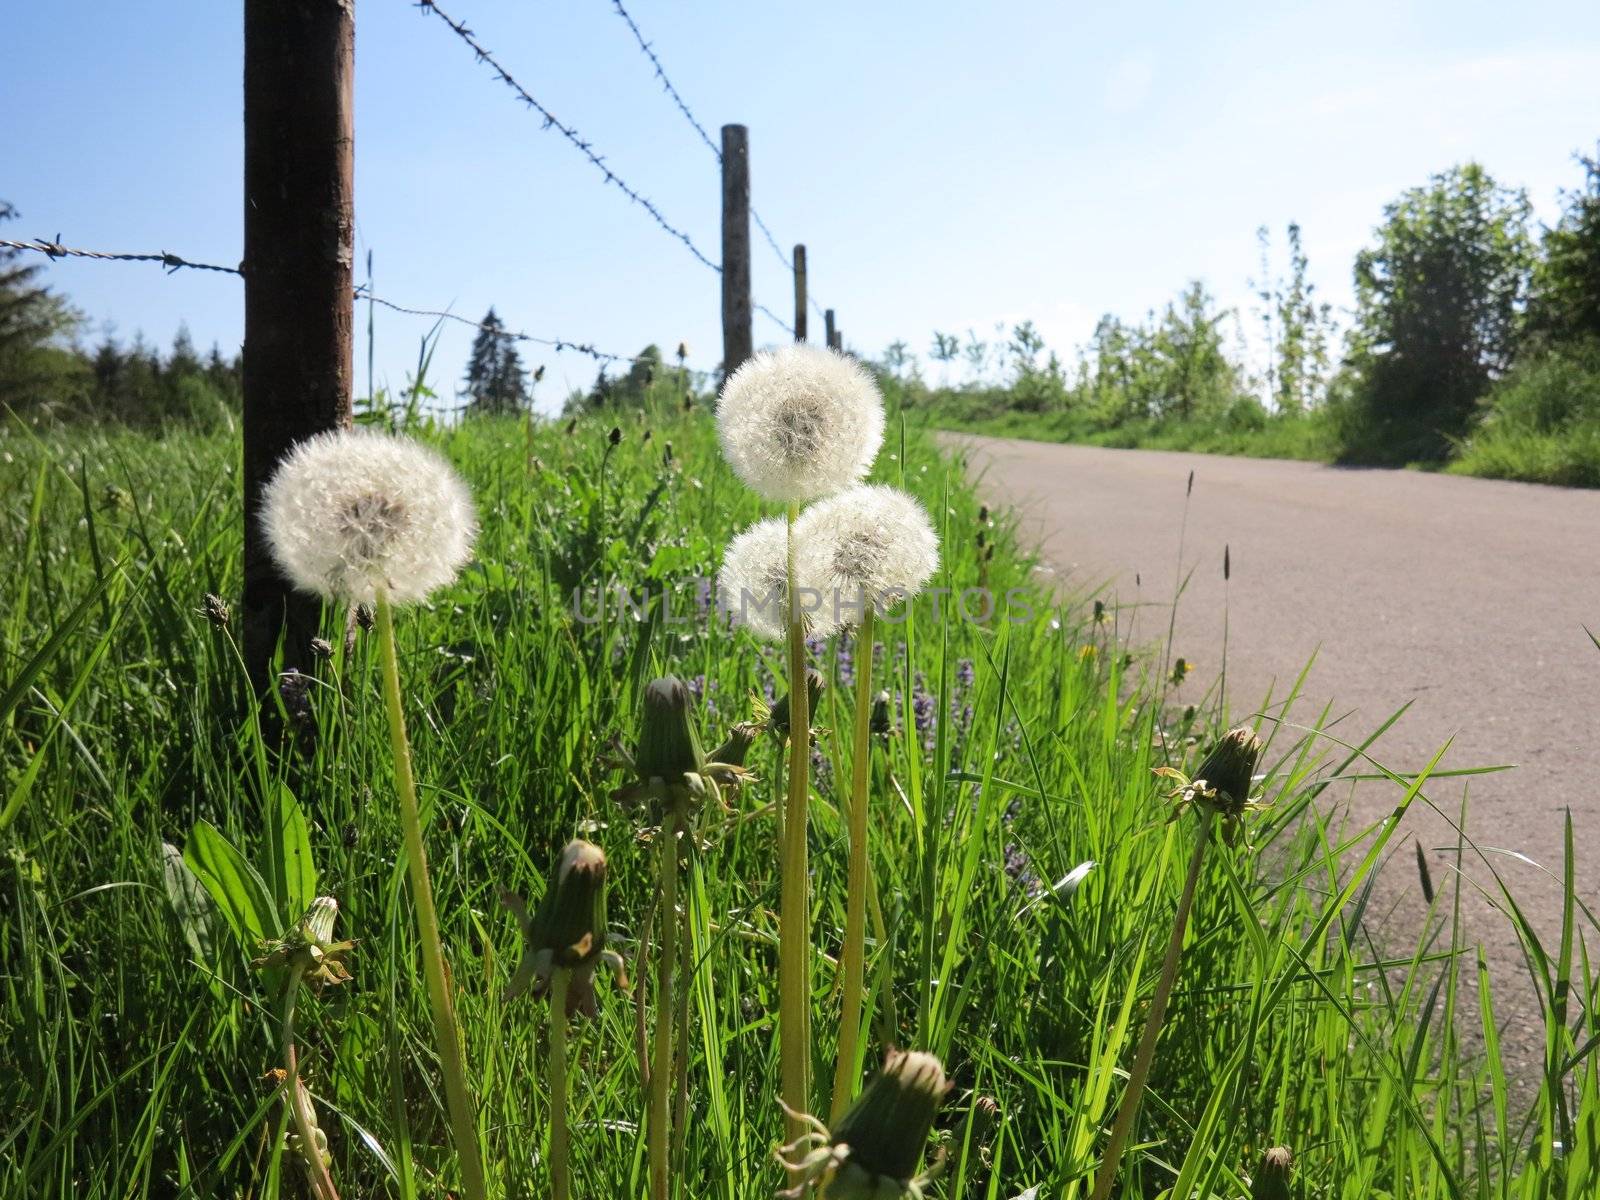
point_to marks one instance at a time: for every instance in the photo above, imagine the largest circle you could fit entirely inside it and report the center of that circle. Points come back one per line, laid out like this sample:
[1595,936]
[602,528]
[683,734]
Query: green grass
[137,1041]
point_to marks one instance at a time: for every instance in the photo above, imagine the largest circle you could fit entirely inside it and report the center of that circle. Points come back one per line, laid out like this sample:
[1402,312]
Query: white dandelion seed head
[352,512]
[800,423]
[752,587]
[872,545]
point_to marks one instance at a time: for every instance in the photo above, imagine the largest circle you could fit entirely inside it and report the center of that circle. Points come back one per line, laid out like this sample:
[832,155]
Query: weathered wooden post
[299,246]
[799,293]
[737,343]
[827,326]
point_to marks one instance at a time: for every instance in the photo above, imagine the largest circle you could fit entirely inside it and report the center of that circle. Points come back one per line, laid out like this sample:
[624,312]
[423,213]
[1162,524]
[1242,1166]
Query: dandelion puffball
[870,545]
[354,512]
[800,423]
[752,587]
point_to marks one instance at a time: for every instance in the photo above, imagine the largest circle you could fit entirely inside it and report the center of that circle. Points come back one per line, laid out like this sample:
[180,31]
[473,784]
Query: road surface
[1467,596]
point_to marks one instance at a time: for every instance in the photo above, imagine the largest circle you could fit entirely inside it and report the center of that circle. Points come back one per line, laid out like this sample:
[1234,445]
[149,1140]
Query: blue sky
[949,166]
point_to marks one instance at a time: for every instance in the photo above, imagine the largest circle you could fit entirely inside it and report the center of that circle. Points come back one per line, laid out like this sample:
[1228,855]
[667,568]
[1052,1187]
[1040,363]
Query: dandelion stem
[1137,1077]
[661,1068]
[560,1184]
[853,955]
[680,1063]
[446,1032]
[300,1111]
[794,914]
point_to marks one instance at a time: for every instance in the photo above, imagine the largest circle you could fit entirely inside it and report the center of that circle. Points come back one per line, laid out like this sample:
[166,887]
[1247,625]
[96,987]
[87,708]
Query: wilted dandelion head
[752,587]
[354,512]
[800,422]
[870,545]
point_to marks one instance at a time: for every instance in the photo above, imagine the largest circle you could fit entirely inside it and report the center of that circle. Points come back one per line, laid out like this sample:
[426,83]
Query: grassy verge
[139,1046]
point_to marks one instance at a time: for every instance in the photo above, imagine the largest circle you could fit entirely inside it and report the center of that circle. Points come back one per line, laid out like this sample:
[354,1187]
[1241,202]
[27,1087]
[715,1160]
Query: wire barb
[551,121]
[53,249]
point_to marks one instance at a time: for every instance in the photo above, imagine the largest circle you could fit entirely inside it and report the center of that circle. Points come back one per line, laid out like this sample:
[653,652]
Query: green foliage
[1542,421]
[1565,302]
[1297,329]
[33,321]
[648,385]
[1019,752]
[1438,302]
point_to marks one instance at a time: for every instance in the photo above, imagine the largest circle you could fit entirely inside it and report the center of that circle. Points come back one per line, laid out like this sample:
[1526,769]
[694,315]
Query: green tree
[35,369]
[644,382]
[1438,303]
[1564,305]
[496,382]
[1297,328]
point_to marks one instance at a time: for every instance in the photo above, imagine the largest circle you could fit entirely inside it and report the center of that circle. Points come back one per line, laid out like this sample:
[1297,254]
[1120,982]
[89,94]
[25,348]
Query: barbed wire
[172,262]
[775,318]
[688,115]
[551,121]
[176,262]
[557,344]
[666,83]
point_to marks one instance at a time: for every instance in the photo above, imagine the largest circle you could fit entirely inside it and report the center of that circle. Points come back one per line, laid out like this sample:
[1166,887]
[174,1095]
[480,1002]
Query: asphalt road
[1468,597]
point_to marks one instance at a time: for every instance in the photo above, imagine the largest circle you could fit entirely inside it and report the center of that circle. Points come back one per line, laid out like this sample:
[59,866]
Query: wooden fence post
[737,342]
[828,329]
[299,246]
[799,293]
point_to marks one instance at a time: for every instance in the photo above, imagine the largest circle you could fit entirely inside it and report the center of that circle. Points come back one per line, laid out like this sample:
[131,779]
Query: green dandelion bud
[887,1127]
[875,1150]
[309,946]
[778,719]
[571,921]
[740,738]
[1272,1176]
[671,773]
[567,931]
[882,725]
[669,744]
[1229,770]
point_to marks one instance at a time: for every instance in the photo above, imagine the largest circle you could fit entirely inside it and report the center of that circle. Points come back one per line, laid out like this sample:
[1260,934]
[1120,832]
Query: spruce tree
[496,382]
[31,319]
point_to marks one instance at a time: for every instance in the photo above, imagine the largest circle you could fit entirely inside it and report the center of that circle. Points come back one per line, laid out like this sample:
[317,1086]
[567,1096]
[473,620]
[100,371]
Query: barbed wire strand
[557,344]
[55,250]
[775,318]
[688,115]
[551,121]
[666,83]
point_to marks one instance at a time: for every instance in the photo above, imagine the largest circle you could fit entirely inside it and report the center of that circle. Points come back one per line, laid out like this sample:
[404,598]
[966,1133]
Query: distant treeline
[45,369]
[1473,337]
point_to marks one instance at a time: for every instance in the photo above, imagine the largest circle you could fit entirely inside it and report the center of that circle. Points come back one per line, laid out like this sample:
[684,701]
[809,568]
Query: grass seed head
[351,513]
[216,611]
[800,422]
